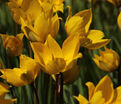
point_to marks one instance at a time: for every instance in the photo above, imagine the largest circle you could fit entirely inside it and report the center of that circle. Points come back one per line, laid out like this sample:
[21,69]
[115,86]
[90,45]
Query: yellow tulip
[116,3]
[45,23]
[24,8]
[108,60]
[57,4]
[119,20]
[94,40]
[26,74]
[103,93]
[79,24]
[70,75]
[12,44]
[3,91]
[52,58]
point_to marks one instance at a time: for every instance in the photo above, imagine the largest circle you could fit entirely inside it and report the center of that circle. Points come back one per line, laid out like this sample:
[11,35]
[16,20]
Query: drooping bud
[108,60]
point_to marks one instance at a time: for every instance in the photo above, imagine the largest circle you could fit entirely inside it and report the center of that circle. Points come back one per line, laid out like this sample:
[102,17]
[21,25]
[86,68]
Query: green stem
[56,89]
[47,87]
[61,89]
[119,73]
[35,92]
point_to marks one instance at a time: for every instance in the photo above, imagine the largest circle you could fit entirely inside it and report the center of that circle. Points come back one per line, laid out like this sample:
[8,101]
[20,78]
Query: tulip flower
[79,24]
[116,3]
[57,4]
[108,60]
[26,74]
[46,23]
[12,44]
[103,93]
[24,8]
[3,91]
[54,59]
[119,20]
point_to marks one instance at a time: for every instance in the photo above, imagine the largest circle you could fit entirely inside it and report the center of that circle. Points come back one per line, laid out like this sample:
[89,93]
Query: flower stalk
[61,89]
[35,93]
[56,89]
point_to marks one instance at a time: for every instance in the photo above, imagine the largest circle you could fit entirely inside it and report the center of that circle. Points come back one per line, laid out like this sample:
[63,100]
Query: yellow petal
[58,5]
[55,66]
[96,39]
[97,98]
[71,63]
[95,35]
[87,18]
[30,66]
[117,96]
[81,99]
[98,45]
[16,12]
[20,36]
[106,87]
[79,23]
[91,89]
[3,88]
[34,8]
[42,52]
[29,31]
[16,80]
[54,47]
[74,25]
[119,20]
[55,26]
[71,47]
[42,26]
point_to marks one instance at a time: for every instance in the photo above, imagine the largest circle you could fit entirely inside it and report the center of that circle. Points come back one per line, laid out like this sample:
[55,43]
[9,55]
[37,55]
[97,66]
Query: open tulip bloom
[103,93]
[26,74]
[45,23]
[54,59]
[79,24]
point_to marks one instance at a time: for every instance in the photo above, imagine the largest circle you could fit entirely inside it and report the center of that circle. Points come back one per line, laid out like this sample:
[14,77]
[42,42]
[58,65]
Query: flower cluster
[39,23]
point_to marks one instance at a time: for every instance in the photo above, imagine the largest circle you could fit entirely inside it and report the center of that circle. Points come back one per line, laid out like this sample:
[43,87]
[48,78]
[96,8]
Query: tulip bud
[108,60]
[12,44]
